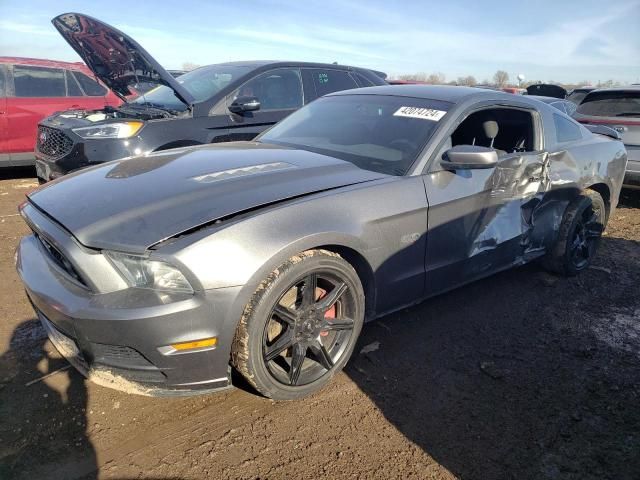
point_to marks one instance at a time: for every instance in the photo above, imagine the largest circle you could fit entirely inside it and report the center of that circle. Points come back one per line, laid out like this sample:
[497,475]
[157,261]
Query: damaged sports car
[163,273]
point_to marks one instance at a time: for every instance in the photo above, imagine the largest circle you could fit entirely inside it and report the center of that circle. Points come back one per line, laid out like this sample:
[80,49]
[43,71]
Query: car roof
[445,93]
[628,88]
[41,62]
[284,63]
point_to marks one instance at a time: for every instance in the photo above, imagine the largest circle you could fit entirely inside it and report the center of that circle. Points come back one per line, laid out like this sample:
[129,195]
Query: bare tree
[433,78]
[188,66]
[437,78]
[469,81]
[608,83]
[500,78]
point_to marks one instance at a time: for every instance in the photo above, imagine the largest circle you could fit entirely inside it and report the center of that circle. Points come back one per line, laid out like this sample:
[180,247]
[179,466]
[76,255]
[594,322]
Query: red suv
[32,89]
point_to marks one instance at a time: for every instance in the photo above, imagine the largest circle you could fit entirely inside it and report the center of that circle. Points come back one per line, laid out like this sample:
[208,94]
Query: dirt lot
[523,375]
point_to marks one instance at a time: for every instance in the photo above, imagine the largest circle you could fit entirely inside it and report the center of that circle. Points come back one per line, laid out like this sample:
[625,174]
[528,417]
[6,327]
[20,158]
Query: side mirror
[244,104]
[468,157]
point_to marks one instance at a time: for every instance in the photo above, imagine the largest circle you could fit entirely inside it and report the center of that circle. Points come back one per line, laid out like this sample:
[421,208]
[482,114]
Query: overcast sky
[568,41]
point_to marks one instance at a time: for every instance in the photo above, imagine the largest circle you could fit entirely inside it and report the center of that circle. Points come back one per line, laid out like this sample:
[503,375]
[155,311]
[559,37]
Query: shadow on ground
[7,173]
[52,413]
[522,375]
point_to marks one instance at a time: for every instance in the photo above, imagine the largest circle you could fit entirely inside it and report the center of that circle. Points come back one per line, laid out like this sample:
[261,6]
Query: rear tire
[582,225]
[294,336]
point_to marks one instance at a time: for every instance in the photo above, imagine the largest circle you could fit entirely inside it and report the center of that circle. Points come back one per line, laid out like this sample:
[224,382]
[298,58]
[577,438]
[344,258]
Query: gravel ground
[522,375]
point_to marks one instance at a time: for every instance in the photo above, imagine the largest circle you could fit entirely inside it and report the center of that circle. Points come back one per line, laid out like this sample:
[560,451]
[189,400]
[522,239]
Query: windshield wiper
[628,114]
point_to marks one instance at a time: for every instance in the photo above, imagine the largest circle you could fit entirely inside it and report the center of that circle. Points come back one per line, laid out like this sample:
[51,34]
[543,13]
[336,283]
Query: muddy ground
[520,376]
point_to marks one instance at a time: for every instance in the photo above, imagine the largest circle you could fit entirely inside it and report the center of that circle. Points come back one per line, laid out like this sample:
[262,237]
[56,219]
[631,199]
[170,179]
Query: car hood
[114,57]
[546,90]
[130,205]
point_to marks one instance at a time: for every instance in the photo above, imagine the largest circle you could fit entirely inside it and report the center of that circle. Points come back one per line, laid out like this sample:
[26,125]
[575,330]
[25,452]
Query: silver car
[161,274]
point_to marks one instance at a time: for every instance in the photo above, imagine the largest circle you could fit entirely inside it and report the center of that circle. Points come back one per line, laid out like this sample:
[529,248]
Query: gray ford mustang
[161,274]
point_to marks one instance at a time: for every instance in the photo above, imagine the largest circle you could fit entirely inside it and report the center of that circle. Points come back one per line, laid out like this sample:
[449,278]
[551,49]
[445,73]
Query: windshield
[611,104]
[380,133]
[202,83]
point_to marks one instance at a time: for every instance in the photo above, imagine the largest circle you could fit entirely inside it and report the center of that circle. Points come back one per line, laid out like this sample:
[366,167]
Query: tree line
[500,79]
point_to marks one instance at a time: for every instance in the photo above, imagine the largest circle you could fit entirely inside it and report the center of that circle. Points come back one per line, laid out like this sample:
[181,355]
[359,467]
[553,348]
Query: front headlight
[110,130]
[144,273]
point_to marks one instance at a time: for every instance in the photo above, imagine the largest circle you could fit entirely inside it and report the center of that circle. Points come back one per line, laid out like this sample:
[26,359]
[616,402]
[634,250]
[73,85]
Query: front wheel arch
[246,355]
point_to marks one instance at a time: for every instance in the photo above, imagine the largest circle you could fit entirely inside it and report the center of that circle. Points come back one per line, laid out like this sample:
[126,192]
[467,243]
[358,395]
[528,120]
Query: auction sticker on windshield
[417,112]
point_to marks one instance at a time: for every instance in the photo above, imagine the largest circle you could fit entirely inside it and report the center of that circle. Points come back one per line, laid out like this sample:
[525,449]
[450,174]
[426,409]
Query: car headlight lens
[110,130]
[154,274]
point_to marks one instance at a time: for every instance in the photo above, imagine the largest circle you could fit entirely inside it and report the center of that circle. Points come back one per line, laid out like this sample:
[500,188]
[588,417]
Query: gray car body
[227,225]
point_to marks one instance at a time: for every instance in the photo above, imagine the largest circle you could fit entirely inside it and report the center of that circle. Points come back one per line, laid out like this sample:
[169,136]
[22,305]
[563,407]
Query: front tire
[582,225]
[301,326]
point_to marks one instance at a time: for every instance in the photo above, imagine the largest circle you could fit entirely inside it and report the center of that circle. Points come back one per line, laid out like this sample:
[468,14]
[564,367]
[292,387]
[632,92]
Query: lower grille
[52,142]
[119,356]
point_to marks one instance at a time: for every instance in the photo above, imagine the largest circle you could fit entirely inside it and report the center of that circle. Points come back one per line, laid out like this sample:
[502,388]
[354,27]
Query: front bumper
[83,153]
[115,338]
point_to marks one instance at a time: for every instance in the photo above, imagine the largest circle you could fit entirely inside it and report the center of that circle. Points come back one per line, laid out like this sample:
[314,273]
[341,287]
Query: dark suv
[216,103]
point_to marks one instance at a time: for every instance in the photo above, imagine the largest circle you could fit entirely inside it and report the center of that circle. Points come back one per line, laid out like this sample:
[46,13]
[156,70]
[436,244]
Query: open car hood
[115,58]
[130,205]
[547,90]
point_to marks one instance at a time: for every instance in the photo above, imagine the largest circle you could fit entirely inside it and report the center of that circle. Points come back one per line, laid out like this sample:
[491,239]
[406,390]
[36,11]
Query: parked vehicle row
[217,103]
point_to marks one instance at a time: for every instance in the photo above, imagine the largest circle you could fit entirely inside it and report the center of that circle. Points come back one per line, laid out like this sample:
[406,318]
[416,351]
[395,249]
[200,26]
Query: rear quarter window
[566,130]
[611,104]
[38,82]
[90,86]
[328,81]
[73,90]
[364,81]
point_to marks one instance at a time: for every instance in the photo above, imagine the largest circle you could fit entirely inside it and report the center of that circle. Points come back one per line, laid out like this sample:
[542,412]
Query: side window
[279,89]
[327,81]
[559,106]
[363,81]
[3,82]
[570,107]
[506,130]
[73,90]
[90,86]
[38,82]
[566,130]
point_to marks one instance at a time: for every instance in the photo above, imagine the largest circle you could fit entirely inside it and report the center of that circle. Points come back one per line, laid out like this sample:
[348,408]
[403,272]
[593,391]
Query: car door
[479,218]
[4,134]
[279,92]
[38,92]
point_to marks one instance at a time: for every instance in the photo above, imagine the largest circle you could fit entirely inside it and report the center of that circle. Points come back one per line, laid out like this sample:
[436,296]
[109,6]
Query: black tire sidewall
[576,209]
[256,323]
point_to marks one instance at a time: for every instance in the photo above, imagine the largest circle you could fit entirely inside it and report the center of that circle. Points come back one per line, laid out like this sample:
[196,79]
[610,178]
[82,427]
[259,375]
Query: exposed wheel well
[364,271]
[604,192]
